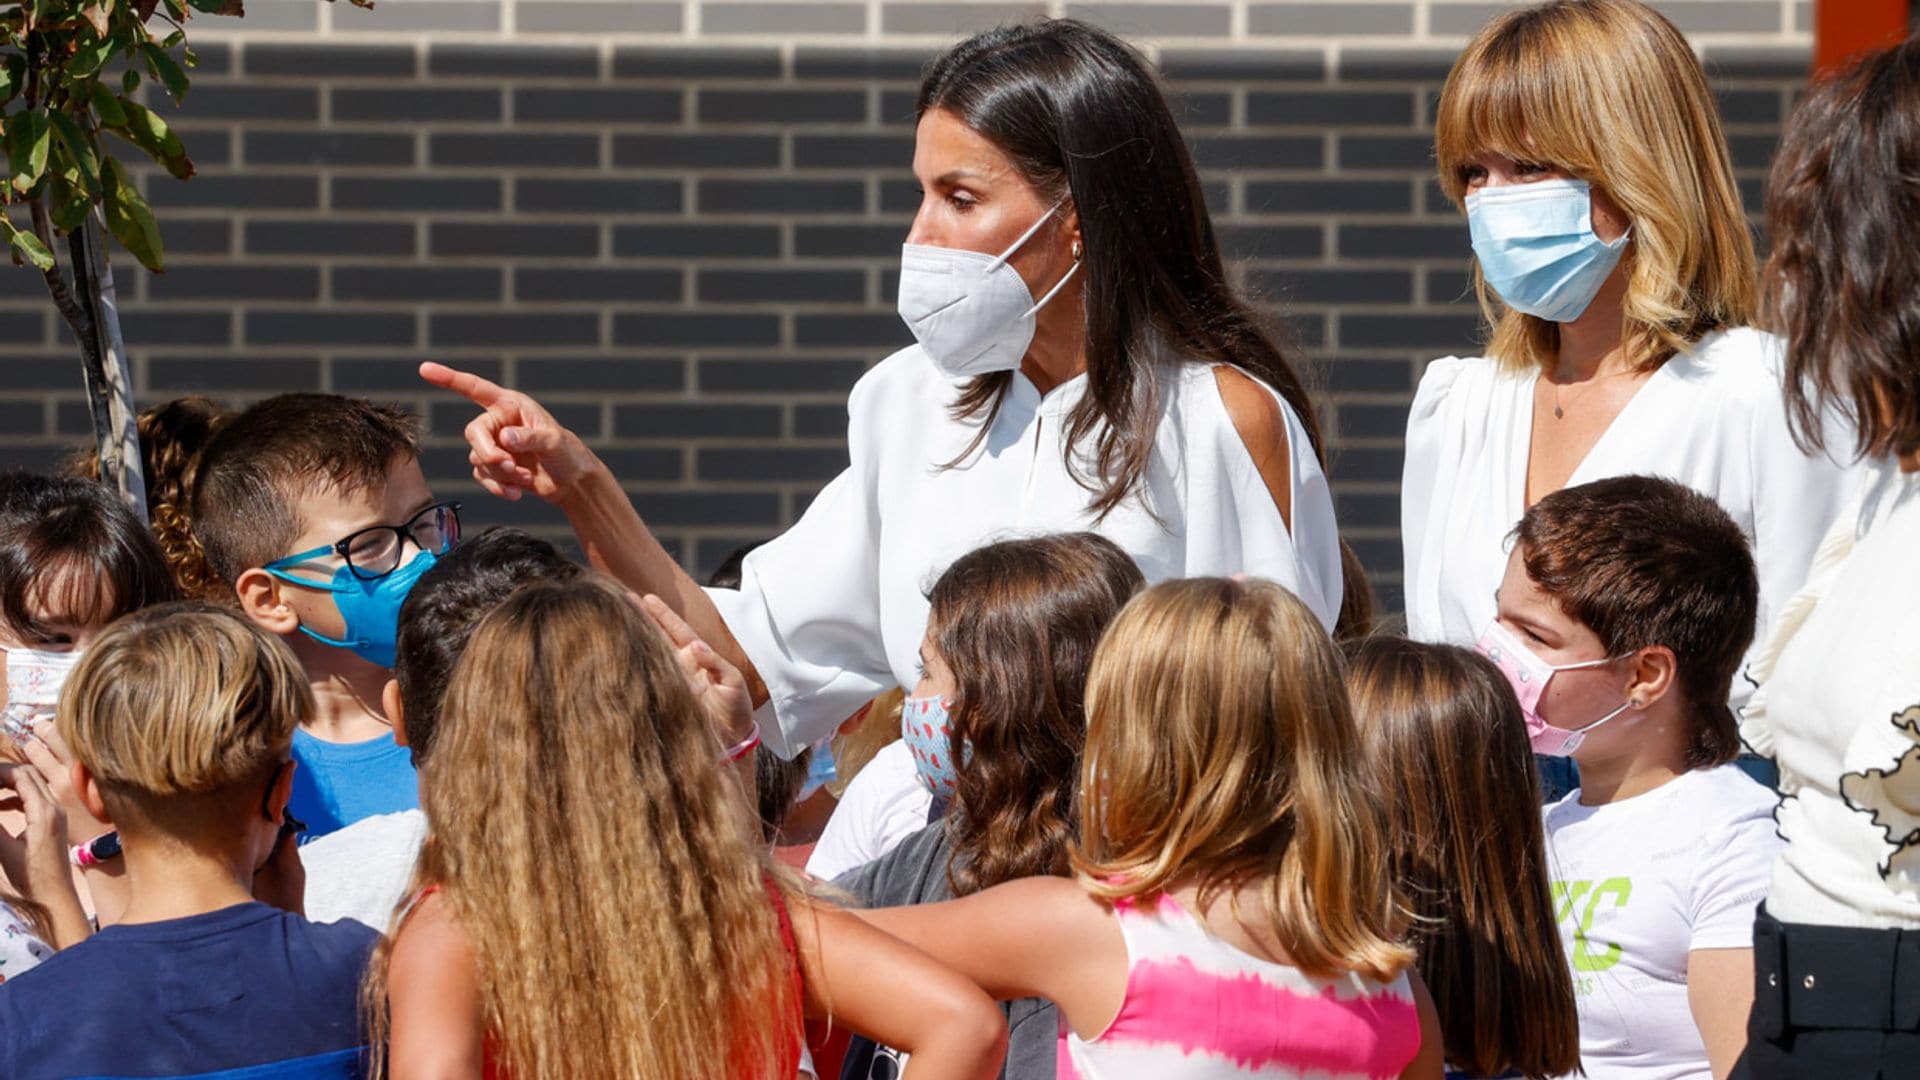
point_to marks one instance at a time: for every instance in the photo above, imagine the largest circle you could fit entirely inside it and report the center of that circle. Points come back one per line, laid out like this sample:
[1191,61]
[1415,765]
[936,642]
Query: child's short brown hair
[182,705]
[254,470]
[1643,561]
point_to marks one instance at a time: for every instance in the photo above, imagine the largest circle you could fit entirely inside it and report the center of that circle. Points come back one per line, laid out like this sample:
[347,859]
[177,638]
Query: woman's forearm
[619,543]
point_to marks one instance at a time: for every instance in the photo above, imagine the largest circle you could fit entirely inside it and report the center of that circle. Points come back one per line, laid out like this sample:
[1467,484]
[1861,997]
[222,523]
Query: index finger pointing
[465,383]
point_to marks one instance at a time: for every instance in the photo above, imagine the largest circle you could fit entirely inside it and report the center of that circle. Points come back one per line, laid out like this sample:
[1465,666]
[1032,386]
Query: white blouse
[832,611]
[1712,418]
[1839,708]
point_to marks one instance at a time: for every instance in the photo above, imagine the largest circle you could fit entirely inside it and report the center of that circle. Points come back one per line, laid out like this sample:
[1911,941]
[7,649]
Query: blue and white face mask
[1537,247]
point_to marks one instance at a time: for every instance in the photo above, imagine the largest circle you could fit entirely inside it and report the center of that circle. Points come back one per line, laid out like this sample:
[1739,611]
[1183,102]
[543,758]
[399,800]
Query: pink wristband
[747,746]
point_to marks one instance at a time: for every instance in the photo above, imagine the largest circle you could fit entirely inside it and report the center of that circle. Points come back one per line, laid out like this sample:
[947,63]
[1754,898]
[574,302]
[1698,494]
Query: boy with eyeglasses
[313,508]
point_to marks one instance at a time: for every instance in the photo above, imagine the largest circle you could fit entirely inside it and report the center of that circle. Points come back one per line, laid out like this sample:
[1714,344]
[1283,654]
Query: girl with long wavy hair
[593,898]
[1009,642]
[1233,908]
[1470,852]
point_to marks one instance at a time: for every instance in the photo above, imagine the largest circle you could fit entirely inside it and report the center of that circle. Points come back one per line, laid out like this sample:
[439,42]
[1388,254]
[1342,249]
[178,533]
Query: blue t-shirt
[248,991]
[337,784]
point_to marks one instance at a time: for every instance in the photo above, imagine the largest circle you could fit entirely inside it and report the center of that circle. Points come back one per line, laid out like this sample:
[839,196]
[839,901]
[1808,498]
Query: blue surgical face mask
[928,732]
[1537,247]
[370,609]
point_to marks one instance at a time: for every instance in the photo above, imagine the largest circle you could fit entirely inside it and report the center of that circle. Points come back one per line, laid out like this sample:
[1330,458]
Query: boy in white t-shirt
[1625,610]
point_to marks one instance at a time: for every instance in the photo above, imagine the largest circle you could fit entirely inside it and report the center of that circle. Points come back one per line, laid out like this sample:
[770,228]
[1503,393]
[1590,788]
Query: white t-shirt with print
[20,950]
[1639,884]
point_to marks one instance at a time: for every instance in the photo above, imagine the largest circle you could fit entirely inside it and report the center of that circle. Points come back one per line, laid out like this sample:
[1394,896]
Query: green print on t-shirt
[1588,896]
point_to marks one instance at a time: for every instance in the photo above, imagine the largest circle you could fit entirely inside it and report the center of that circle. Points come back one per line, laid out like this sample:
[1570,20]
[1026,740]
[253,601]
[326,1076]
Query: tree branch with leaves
[69,73]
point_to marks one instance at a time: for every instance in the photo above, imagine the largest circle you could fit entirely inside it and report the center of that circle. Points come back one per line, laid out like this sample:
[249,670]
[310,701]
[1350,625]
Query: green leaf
[13,76]
[173,40]
[78,149]
[27,148]
[32,250]
[177,11]
[165,70]
[129,217]
[106,105]
[129,80]
[218,7]
[28,245]
[145,129]
[90,57]
[70,206]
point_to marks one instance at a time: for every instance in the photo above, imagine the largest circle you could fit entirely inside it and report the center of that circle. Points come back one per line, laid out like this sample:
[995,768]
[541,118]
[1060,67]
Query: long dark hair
[1842,284]
[1017,622]
[1081,115]
[1469,851]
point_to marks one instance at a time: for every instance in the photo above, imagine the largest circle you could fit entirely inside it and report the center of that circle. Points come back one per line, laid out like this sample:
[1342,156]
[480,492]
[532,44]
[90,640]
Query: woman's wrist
[591,483]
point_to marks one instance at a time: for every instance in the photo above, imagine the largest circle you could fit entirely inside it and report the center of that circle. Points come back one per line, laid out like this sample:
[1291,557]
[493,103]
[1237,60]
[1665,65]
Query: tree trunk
[104,357]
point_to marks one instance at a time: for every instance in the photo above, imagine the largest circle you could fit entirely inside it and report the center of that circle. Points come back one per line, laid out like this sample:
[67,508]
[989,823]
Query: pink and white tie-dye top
[1196,1008]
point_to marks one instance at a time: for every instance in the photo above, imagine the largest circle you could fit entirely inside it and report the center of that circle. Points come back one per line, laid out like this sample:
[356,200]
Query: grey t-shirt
[915,872]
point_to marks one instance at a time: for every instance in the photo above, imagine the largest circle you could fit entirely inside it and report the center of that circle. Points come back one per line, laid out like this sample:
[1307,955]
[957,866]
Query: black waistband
[1808,976]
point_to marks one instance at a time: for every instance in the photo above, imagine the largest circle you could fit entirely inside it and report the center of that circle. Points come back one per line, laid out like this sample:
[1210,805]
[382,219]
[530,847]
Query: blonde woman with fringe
[593,900]
[1233,912]
[1616,268]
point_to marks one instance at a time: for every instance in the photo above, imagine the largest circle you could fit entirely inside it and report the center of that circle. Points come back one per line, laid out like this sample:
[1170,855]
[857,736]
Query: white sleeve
[1797,497]
[883,805]
[1422,480]
[1729,880]
[1235,528]
[1756,725]
[807,612]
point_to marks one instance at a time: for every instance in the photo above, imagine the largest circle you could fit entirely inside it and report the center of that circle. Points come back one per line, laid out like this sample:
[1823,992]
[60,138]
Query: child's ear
[88,789]
[1655,671]
[282,792]
[390,704]
[260,601]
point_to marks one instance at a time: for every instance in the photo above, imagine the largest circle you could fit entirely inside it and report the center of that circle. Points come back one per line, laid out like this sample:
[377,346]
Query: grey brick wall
[678,222]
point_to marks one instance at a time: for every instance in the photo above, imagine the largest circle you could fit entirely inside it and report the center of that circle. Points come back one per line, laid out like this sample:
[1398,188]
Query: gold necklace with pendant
[1558,412]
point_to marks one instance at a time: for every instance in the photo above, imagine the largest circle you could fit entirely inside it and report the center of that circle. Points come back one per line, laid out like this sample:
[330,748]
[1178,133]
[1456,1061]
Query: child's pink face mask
[1528,675]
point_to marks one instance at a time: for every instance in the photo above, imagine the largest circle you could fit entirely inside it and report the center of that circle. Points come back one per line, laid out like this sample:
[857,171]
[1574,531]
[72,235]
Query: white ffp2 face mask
[971,312]
[34,679]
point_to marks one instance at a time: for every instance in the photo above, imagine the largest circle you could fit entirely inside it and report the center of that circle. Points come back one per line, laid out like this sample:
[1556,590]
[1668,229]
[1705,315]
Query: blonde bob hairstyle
[1609,91]
[1221,754]
[180,703]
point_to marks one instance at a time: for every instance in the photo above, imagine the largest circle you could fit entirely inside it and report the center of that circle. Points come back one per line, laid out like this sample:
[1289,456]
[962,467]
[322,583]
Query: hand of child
[49,755]
[516,445]
[282,880]
[717,685]
[37,859]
